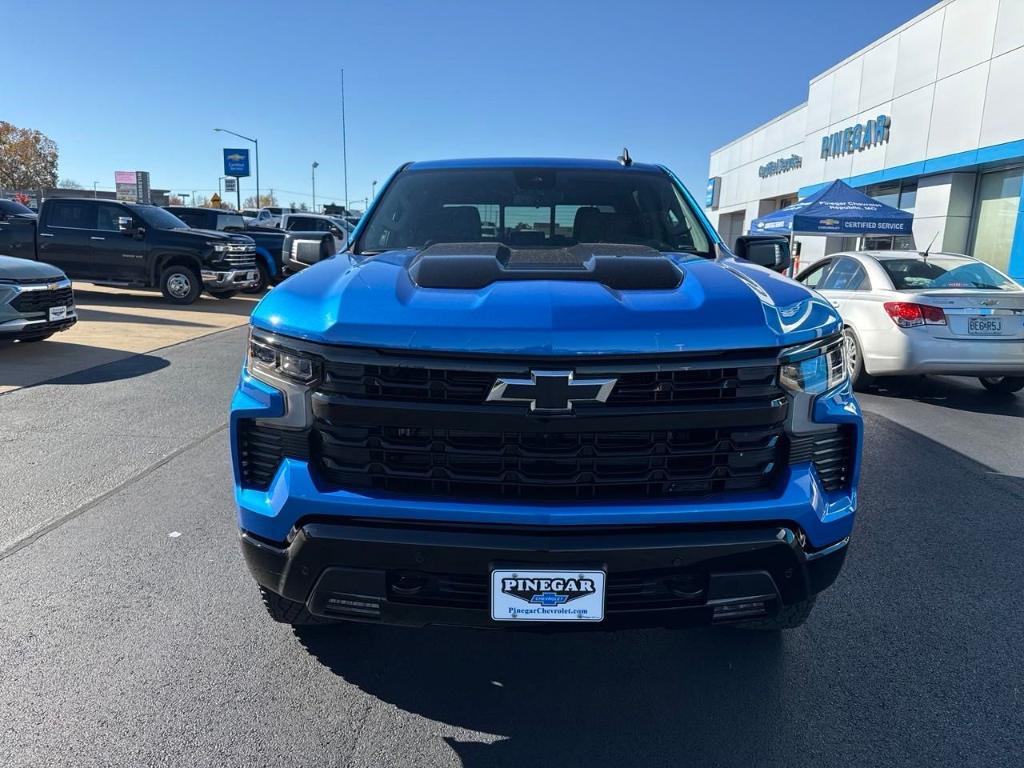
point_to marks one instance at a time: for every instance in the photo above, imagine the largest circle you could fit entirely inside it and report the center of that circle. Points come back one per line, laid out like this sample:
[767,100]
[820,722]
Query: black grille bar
[469,386]
[554,465]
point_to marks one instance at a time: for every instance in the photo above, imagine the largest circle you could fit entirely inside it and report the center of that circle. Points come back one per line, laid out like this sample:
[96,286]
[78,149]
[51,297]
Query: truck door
[120,256]
[65,231]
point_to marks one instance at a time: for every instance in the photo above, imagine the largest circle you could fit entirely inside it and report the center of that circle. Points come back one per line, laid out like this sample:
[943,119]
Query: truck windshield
[534,208]
[158,218]
[945,272]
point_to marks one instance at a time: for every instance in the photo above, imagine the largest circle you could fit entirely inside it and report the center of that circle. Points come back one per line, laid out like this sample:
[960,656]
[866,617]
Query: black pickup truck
[269,242]
[131,245]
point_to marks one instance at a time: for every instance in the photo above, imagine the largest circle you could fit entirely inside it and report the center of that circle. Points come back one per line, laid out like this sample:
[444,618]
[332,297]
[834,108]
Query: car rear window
[945,272]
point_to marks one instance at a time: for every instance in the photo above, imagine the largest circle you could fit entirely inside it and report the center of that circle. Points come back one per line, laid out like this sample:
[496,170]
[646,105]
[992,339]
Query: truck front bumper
[229,280]
[415,574]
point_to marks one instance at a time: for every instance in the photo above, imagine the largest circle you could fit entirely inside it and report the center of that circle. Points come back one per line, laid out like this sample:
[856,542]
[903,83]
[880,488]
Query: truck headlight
[815,368]
[268,362]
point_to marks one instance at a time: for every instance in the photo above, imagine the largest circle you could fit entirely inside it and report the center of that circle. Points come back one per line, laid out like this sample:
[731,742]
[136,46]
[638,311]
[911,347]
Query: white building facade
[929,118]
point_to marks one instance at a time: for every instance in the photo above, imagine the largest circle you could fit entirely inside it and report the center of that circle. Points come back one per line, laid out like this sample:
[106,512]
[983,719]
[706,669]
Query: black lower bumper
[418,574]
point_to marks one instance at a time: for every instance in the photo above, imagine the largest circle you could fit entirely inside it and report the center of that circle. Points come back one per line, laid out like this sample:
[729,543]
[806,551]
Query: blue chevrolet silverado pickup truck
[540,392]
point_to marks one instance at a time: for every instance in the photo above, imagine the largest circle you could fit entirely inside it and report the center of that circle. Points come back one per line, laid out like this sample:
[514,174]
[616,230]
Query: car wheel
[860,378]
[286,611]
[32,339]
[788,617]
[263,280]
[180,285]
[223,294]
[1003,385]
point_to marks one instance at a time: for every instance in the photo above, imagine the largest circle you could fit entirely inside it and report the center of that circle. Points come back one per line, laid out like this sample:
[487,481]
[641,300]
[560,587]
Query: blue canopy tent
[837,210]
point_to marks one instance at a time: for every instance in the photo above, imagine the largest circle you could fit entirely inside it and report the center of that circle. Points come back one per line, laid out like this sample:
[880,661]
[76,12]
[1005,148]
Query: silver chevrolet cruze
[910,313]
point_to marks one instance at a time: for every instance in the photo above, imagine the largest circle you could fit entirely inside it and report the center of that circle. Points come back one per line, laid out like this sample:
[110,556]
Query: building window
[995,216]
[902,195]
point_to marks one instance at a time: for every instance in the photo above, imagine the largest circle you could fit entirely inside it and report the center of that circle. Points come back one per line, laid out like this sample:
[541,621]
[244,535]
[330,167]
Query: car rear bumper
[416,574]
[916,351]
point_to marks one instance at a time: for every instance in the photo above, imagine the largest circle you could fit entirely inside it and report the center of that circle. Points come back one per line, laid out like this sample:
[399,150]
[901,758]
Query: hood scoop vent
[477,265]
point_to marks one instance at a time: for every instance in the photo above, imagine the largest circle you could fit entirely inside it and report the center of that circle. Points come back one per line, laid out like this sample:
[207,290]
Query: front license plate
[58,313]
[984,326]
[526,595]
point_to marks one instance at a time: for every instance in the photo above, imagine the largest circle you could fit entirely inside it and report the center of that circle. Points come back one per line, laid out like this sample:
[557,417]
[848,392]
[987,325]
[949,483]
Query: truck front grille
[555,466]
[40,301]
[425,383]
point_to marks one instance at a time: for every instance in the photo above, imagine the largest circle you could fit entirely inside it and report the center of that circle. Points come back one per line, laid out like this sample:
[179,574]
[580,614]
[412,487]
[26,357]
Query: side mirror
[765,251]
[124,224]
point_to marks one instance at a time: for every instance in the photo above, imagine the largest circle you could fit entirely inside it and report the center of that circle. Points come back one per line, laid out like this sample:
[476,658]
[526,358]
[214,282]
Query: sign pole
[238,194]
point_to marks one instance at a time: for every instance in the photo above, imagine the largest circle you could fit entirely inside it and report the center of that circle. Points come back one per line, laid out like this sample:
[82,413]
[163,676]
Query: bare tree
[28,158]
[66,183]
[263,202]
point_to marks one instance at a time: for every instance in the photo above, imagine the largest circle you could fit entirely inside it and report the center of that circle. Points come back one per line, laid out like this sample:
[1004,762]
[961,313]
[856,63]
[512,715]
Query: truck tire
[264,279]
[286,611]
[1002,385]
[788,617]
[859,378]
[180,284]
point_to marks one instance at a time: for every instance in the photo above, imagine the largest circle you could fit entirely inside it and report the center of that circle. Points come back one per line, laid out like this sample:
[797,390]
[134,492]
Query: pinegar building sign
[856,137]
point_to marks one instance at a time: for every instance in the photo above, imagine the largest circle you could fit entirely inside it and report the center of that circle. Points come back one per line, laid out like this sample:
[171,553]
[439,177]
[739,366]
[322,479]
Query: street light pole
[344,147]
[94,189]
[373,189]
[256,144]
[315,164]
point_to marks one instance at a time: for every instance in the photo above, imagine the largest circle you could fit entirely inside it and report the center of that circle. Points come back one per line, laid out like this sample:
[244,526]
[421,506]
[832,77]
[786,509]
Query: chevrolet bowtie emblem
[551,391]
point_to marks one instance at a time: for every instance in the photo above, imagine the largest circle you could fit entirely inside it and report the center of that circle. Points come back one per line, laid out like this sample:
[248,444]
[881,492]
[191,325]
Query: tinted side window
[194,220]
[107,216]
[72,213]
[846,275]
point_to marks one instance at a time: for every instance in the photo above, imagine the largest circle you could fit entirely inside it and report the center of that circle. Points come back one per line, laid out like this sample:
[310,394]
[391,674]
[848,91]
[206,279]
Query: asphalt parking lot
[131,633]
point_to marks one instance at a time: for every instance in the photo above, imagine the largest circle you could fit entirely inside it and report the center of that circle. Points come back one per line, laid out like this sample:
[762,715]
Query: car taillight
[907,315]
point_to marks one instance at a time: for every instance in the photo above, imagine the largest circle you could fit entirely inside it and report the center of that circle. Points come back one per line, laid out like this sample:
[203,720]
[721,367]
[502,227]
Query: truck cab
[124,244]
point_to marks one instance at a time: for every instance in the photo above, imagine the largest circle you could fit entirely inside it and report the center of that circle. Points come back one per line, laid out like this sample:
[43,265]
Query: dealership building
[928,118]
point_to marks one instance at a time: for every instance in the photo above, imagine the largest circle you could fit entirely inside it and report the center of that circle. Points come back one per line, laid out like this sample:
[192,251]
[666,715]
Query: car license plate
[527,595]
[984,326]
[58,313]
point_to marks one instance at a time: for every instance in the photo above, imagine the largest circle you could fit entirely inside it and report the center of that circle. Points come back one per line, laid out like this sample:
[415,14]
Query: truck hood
[373,301]
[210,235]
[22,269]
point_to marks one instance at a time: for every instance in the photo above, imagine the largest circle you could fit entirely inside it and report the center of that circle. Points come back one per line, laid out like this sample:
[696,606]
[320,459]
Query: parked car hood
[25,269]
[372,301]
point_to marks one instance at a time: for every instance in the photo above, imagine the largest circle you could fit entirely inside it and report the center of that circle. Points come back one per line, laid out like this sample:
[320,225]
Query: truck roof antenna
[624,158]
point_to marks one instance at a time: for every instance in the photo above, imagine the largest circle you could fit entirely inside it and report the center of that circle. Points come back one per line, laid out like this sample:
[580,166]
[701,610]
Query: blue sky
[141,86]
